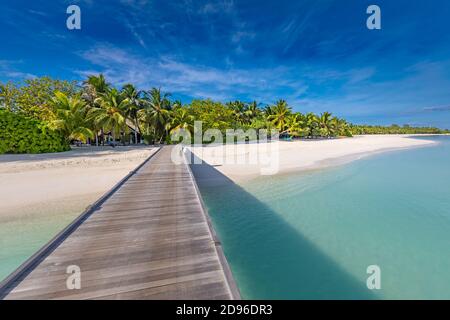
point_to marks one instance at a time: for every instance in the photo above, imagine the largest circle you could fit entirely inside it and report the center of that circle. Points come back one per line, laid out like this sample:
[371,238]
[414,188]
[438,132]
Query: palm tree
[325,125]
[177,104]
[135,103]
[311,125]
[253,110]
[240,109]
[181,119]
[280,113]
[157,111]
[341,127]
[70,116]
[268,111]
[98,83]
[93,88]
[110,114]
[295,124]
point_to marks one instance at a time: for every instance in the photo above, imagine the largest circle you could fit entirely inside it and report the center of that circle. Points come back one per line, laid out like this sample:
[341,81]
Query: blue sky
[316,54]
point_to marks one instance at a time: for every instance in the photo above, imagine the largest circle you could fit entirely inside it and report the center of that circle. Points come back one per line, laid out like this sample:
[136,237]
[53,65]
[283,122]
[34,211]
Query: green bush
[20,134]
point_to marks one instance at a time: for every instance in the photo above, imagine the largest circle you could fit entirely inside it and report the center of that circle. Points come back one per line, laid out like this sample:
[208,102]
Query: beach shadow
[270,259]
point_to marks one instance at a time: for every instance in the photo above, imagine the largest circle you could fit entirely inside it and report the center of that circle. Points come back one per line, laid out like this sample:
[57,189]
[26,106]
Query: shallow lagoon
[313,235]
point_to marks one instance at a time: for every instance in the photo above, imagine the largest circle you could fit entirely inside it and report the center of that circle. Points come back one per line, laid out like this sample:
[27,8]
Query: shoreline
[304,155]
[66,182]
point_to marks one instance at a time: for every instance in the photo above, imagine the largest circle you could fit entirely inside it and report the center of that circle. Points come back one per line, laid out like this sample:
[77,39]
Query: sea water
[313,235]
[22,236]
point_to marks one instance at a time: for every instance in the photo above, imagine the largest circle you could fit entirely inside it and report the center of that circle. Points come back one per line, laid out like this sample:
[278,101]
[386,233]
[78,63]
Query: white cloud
[121,67]
[172,74]
[9,69]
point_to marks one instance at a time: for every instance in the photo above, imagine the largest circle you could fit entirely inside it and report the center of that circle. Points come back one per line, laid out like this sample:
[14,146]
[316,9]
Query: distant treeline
[396,129]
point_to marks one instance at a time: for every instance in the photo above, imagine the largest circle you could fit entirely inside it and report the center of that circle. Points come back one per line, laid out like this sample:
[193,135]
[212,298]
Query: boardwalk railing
[223,261]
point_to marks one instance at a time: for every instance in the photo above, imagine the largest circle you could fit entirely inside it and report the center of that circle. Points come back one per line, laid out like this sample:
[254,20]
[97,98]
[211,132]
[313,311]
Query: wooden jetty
[148,238]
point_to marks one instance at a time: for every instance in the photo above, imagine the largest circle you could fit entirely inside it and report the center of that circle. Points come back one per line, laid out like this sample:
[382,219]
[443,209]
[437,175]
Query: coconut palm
[177,104]
[135,104]
[252,111]
[70,114]
[98,83]
[156,111]
[280,113]
[240,109]
[93,88]
[294,124]
[325,125]
[181,119]
[341,127]
[311,125]
[269,110]
[110,113]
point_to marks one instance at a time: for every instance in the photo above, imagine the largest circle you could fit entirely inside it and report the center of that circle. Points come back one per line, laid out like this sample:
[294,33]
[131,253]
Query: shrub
[20,134]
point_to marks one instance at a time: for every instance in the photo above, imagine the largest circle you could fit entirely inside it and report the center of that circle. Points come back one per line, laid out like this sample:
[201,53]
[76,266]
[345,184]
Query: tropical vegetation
[96,112]
[21,134]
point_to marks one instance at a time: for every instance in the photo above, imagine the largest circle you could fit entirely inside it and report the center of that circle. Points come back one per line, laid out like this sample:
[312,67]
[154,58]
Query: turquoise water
[21,237]
[312,236]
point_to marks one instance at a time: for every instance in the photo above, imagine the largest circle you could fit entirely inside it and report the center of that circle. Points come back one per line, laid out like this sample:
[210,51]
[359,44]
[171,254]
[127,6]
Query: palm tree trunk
[135,130]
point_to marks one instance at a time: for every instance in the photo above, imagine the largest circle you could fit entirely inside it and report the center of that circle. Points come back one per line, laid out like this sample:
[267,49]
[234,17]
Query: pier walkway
[148,238]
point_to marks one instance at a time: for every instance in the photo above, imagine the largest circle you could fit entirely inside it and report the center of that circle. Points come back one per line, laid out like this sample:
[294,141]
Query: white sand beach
[62,183]
[69,182]
[238,162]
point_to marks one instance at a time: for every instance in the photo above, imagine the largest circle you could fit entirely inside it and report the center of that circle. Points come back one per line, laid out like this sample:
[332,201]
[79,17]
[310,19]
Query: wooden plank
[149,238]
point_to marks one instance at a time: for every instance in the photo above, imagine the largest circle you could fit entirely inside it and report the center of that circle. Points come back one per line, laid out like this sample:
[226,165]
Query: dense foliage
[33,98]
[20,134]
[96,112]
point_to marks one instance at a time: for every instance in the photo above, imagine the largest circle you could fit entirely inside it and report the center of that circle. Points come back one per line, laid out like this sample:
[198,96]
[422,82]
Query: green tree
[110,113]
[279,115]
[70,114]
[325,124]
[181,119]
[252,111]
[341,127]
[156,112]
[135,103]
[212,114]
[294,124]
[33,98]
[97,84]
[311,125]
[240,111]
[93,87]
[8,96]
